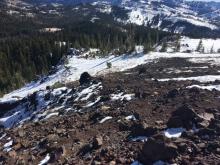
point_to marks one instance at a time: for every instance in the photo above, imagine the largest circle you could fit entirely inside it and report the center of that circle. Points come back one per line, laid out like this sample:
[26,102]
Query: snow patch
[206,78]
[7,146]
[121,96]
[131,118]
[45,160]
[139,139]
[105,119]
[174,132]
[208,87]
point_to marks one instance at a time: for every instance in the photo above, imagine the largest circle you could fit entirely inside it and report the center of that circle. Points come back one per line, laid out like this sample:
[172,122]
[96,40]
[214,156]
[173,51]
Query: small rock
[97,142]
[17,146]
[173,93]
[87,148]
[142,70]
[12,154]
[59,131]
[96,162]
[112,163]
[201,145]
[105,108]
[21,133]
[159,122]
[218,150]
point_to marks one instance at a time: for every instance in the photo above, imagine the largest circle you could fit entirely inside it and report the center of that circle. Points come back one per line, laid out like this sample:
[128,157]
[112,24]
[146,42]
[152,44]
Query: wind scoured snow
[174,132]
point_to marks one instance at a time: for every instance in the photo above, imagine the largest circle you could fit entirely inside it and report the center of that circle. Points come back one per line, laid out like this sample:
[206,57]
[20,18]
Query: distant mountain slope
[179,16]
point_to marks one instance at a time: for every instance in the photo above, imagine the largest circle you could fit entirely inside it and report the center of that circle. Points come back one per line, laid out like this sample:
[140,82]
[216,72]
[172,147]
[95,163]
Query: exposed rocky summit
[119,118]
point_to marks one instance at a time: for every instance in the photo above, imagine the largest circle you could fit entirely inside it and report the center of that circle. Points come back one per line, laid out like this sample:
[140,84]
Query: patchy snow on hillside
[203,79]
[190,45]
[37,107]
[96,66]
[144,13]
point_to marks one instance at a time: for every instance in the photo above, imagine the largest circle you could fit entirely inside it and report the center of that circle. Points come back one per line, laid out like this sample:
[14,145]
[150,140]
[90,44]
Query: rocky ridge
[136,119]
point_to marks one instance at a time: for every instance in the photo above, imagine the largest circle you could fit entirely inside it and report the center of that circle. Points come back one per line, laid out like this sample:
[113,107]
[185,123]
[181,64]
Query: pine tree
[212,49]
[200,47]
[164,47]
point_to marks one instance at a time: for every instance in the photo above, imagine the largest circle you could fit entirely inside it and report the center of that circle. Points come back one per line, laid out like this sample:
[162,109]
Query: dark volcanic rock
[142,70]
[158,148]
[5,106]
[97,142]
[183,117]
[85,78]
[173,93]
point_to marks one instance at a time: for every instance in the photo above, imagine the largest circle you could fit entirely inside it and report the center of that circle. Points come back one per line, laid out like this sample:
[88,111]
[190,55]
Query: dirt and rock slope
[130,117]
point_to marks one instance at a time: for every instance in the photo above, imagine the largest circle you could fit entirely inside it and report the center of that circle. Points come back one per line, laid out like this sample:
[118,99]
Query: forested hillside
[27,51]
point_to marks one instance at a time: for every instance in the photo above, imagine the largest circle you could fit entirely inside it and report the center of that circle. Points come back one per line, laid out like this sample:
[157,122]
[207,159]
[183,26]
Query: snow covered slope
[187,44]
[167,16]
[174,16]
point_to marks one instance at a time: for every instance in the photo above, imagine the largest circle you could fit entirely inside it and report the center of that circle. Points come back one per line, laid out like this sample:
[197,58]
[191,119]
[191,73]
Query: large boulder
[184,117]
[85,78]
[158,148]
[6,106]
